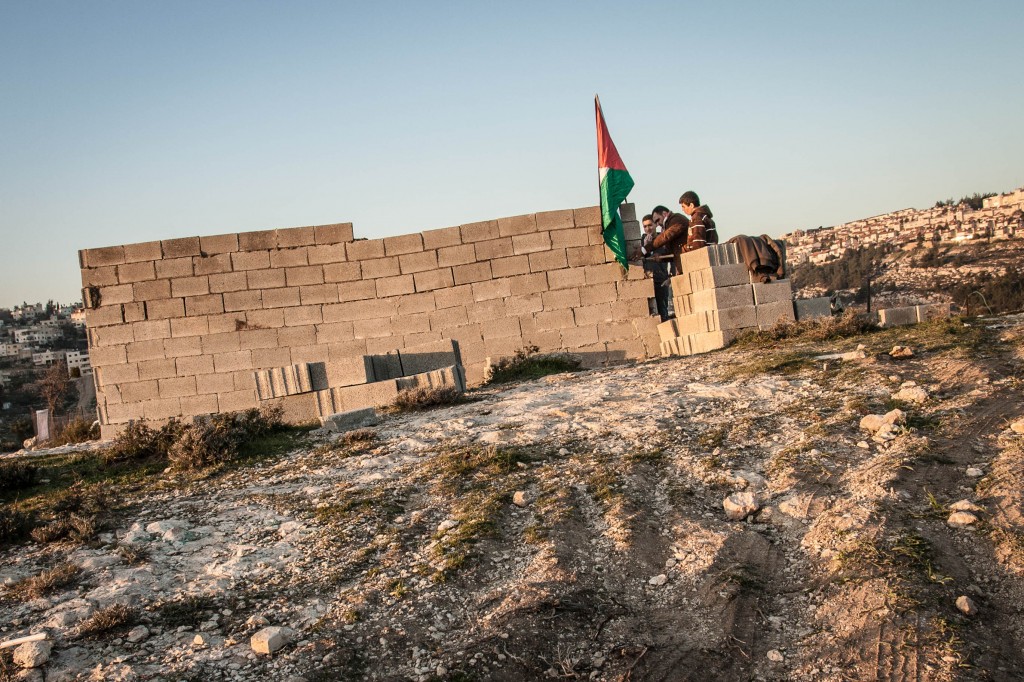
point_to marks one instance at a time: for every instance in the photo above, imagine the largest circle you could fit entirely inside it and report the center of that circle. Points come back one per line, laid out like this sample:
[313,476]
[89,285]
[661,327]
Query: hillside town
[999,217]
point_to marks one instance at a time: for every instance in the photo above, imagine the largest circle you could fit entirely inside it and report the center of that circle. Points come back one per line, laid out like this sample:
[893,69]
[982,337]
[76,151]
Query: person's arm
[674,231]
[697,238]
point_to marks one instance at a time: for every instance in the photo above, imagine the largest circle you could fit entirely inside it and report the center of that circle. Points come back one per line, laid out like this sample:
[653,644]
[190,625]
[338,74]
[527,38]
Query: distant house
[79,359]
[47,358]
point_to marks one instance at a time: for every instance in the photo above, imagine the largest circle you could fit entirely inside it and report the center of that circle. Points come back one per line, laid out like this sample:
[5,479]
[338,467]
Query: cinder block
[318,293]
[415,339]
[357,291]
[489,310]
[594,293]
[434,279]
[781,290]
[727,319]
[210,265]
[548,260]
[190,286]
[185,326]
[504,328]
[220,243]
[409,324]
[564,239]
[494,248]
[349,420]
[429,357]
[897,317]
[627,212]
[131,272]
[444,377]
[347,398]
[161,409]
[365,249]
[263,240]
[709,341]
[679,346]
[455,255]
[576,337]
[402,244]
[439,239]
[932,311]
[510,266]
[235,401]
[104,315]
[473,272]
[555,220]
[156,369]
[568,278]
[99,277]
[632,231]
[616,331]
[151,329]
[642,288]
[718,276]
[394,286]
[198,405]
[554,319]
[297,336]
[522,285]
[299,276]
[333,234]
[146,251]
[280,298]
[269,357]
[448,317]
[220,283]
[121,293]
[326,253]
[411,304]
[593,314]
[177,387]
[380,267]
[262,319]
[242,300]
[419,261]
[811,308]
[180,248]
[233,361]
[531,243]
[350,371]
[183,346]
[387,365]
[585,255]
[589,215]
[215,383]
[561,298]
[683,304]
[342,272]
[520,224]
[109,355]
[723,297]
[250,260]
[374,328]
[601,274]
[494,288]
[290,258]
[169,268]
[108,255]
[211,304]
[770,314]
[291,237]
[282,381]
[257,338]
[477,232]
[193,365]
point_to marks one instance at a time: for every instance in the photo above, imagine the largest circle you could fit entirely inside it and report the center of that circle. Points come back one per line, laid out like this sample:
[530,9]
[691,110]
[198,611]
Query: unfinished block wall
[178,327]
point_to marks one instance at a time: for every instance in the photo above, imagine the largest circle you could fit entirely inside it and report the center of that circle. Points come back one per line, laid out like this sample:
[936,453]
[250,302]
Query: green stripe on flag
[615,187]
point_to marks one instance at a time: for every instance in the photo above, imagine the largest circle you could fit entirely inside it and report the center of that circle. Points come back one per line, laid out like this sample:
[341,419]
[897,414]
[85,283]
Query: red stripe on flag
[607,154]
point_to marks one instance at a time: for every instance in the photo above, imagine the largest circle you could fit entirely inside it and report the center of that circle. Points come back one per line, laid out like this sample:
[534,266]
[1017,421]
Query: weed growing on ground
[76,431]
[820,329]
[61,575]
[528,364]
[16,476]
[15,525]
[103,621]
[412,400]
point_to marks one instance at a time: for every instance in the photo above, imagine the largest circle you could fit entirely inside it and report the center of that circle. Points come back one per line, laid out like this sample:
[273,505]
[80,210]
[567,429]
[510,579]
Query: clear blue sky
[132,121]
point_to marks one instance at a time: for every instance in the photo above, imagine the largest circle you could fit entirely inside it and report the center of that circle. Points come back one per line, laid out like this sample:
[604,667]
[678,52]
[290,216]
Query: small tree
[55,385]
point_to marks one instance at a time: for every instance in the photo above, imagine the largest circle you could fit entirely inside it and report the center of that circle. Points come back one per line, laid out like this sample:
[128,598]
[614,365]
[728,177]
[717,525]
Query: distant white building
[37,335]
[9,350]
[78,317]
[79,359]
[47,358]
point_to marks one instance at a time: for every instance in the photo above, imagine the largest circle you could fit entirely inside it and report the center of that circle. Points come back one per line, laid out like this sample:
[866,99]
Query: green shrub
[15,525]
[16,476]
[138,441]
[218,438]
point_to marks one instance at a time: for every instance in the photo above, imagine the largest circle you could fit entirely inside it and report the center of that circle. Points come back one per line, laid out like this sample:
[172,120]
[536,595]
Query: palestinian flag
[615,186]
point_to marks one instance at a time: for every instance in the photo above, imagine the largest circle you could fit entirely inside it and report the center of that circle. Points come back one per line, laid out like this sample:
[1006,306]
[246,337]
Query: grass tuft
[528,364]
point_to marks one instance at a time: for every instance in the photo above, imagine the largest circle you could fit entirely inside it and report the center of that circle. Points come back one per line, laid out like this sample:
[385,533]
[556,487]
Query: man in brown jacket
[702,227]
[672,237]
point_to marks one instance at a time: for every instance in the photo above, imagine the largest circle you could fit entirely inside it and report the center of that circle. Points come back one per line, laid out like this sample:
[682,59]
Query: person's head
[688,202]
[648,224]
[659,213]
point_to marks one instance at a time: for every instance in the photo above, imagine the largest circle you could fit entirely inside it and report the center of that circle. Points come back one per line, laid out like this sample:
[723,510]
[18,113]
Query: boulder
[32,654]
[911,394]
[961,519]
[739,506]
[966,605]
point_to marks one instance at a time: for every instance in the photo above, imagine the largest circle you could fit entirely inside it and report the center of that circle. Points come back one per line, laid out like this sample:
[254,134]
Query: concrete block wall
[178,327]
[716,299]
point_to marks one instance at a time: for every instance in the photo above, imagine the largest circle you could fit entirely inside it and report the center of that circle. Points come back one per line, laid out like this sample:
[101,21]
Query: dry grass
[821,329]
[61,575]
[16,476]
[103,621]
[528,364]
[426,398]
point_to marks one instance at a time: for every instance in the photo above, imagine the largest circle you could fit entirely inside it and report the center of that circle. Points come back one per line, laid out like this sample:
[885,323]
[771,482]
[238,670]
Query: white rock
[775,656]
[911,394]
[201,640]
[863,445]
[269,640]
[447,525]
[966,605]
[32,654]
[966,506]
[974,472]
[658,580]
[1017,426]
[740,505]
[520,499]
[161,527]
[138,634]
[961,519]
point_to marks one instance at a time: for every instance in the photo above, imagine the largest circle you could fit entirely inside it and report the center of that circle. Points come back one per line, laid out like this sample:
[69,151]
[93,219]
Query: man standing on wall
[702,227]
[672,237]
[655,264]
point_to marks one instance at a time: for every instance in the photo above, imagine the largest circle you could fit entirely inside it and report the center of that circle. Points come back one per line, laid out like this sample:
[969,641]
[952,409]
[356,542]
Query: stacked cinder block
[178,327]
[812,308]
[715,300]
[896,317]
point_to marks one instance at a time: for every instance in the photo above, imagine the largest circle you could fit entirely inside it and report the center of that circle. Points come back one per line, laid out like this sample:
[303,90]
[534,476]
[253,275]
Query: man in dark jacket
[702,227]
[672,237]
[655,264]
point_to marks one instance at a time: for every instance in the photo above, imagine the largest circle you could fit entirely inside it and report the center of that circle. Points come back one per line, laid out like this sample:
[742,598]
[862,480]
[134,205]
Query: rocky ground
[734,516]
